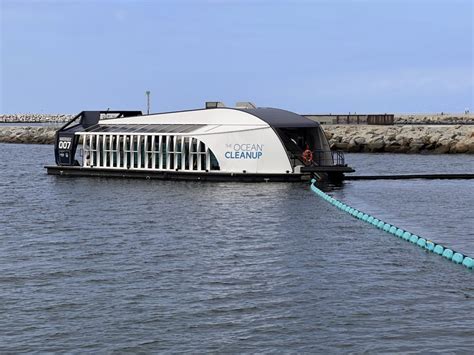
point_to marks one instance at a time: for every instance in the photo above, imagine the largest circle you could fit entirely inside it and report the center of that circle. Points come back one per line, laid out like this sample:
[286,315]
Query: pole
[147,93]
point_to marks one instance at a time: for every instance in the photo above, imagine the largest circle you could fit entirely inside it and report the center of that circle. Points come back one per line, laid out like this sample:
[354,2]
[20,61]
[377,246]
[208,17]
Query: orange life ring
[307,156]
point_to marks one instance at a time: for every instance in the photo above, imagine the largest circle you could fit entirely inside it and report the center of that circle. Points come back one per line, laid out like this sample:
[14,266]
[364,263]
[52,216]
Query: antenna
[147,93]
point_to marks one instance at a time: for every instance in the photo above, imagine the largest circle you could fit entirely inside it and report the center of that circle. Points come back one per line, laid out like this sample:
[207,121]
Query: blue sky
[305,56]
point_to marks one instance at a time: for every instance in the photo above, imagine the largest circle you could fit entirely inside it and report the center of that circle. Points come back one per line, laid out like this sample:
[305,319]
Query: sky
[331,56]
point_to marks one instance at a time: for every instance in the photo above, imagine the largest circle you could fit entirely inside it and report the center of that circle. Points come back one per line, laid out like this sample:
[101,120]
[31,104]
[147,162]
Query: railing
[338,158]
[371,119]
[320,158]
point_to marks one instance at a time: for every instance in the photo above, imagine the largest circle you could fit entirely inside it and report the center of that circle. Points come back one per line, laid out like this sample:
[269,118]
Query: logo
[244,151]
[64,143]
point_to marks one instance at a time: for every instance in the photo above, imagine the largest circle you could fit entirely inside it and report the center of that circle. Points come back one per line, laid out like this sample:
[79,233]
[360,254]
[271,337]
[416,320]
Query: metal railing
[320,158]
[338,158]
[371,119]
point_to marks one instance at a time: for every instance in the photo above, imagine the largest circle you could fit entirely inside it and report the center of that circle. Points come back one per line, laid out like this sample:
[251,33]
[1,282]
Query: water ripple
[110,265]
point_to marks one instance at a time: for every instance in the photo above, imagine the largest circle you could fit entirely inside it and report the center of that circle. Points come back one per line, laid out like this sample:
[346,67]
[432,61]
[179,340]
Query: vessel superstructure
[220,143]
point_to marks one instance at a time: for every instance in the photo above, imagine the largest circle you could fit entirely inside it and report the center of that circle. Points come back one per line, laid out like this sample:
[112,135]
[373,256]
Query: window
[213,163]
[127,152]
[157,155]
[147,151]
[107,150]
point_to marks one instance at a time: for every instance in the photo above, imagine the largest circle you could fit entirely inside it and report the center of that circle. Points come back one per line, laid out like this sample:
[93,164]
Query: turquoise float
[448,254]
[413,238]
[427,245]
[468,262]
[421,242]
[457,258]
[438,249]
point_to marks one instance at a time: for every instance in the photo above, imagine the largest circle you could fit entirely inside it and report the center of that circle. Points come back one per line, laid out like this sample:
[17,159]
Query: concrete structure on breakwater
[393,119]
[372,119]
[419,134]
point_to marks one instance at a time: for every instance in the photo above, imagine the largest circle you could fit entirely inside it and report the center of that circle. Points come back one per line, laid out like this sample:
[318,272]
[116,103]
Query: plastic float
[428,245]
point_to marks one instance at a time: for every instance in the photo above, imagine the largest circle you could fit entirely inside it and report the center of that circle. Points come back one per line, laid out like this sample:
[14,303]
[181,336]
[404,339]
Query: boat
[215,143]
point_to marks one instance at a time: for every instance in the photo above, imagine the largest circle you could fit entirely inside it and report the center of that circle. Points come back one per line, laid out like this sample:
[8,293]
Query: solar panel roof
[281,118]
[145,128]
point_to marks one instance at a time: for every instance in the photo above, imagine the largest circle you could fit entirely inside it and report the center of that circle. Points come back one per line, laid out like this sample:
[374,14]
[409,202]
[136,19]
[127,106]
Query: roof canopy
[219,116]
[281,118]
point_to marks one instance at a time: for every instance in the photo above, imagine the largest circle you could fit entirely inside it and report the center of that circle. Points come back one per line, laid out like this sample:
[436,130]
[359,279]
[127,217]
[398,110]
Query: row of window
[156,152]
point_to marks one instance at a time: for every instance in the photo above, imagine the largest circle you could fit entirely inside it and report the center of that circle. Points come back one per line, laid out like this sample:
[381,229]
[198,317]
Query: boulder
[441,149]
[460,147]
[352,147]
[435,138]
[391,137]
[376,145]
[341,146]
[392,147]
[470,148]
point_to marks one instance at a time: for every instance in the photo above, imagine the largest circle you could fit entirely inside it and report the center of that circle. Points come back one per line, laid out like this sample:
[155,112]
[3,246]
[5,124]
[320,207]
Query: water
[95,264]
[439,210]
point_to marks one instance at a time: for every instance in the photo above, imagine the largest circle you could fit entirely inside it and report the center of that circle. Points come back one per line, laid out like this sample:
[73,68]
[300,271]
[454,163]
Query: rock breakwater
[446,119]
[26,134]
[420,138]
[34,118]
[401,139]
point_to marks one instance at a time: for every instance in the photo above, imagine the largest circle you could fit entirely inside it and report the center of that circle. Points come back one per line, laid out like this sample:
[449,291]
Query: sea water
[102,265]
